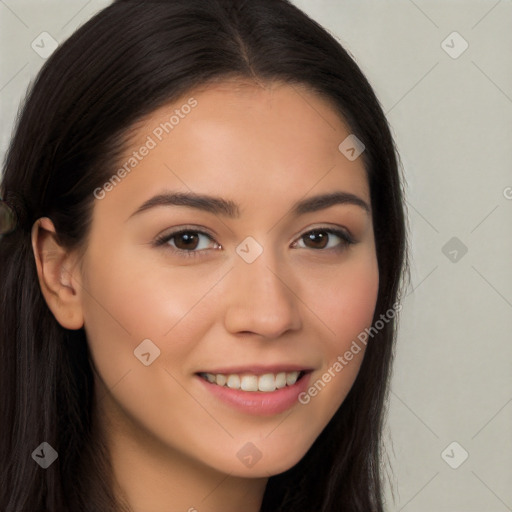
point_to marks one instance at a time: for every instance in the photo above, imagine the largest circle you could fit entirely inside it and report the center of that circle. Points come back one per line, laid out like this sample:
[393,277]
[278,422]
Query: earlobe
[58,275]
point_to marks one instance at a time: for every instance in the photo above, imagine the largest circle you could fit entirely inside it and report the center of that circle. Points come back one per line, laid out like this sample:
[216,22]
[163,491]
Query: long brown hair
[128,60]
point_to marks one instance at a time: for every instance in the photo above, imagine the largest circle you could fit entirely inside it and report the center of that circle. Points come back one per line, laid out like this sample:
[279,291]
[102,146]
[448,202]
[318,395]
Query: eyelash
[346,240]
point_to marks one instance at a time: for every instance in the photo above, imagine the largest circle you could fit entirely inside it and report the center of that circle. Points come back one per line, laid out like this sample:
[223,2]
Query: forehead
[251,142]
[289,110]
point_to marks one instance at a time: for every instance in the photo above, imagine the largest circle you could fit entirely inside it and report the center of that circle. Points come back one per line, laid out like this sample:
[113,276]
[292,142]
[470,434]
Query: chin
[253,463]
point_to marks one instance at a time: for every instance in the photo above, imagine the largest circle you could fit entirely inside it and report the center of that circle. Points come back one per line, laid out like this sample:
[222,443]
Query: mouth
[267,382]
[260,391]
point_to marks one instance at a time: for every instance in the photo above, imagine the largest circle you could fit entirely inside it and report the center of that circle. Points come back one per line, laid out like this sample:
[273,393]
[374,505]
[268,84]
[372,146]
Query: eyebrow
[228,208]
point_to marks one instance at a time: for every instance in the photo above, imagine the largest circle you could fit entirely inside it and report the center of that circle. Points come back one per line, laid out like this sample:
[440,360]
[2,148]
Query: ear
[58,275]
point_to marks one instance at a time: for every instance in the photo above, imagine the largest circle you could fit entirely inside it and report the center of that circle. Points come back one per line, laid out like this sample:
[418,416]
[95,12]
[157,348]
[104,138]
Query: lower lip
[258,402]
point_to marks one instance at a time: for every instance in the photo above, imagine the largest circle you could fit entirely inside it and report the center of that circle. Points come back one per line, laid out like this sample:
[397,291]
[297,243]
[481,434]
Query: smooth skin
[174,445]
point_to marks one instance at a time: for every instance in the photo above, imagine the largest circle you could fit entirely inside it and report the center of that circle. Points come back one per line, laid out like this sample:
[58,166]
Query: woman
[202,253]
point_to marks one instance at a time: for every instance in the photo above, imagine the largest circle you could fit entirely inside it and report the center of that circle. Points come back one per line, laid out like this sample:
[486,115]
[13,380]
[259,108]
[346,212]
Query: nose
[260,299]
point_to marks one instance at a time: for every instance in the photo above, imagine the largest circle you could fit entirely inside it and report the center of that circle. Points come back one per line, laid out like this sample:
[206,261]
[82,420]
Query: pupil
[319,238]
[190,240]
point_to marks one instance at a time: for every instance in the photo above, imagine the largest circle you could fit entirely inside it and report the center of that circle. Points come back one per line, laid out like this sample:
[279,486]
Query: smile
[260,393]
[267,382]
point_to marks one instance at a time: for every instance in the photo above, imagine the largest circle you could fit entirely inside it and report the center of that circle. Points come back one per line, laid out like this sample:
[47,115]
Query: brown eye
[186,241]
[189,242]
[316,239]
[326,239]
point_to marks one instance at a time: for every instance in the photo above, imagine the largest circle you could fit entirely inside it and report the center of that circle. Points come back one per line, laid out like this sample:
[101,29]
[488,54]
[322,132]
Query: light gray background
[452,120]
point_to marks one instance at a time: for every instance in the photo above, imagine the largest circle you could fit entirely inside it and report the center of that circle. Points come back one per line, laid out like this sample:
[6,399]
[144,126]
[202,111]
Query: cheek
[345,306]
[355,299]
[344,299]
[129,299]
[140,298]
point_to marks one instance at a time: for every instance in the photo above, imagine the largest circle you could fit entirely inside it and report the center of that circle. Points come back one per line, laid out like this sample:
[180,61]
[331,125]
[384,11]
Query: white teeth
[280,380]
[249,383]
[291,378]
[268,382]
[233,382]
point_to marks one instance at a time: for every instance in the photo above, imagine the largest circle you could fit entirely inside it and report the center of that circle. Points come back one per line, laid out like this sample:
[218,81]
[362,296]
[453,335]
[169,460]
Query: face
[251,287]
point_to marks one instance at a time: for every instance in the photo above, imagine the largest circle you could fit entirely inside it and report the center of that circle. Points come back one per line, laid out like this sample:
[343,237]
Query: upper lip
[259,370]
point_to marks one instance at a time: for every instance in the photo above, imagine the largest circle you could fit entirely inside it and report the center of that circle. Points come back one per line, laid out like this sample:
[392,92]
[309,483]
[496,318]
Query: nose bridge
[261,300]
